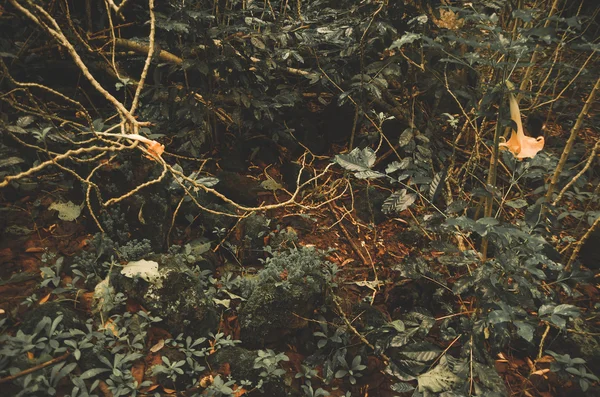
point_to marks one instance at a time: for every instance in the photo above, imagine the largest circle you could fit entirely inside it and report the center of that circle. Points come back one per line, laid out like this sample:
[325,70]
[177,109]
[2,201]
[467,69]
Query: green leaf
[90,373]
[394,370]
[256,42]
[368,174]
[403,387]
[439,379]
[398,165]
[341,373]
[407,38]
[357,159]
[518,203]
[567,310]
[558,321]
[525,330]
[498,317]
[436,184]
[406,136]
[10,161]
[398,201]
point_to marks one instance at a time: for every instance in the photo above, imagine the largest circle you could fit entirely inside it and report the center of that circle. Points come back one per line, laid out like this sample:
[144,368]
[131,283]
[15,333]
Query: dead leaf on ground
[44,299]
[137,371]
[159,345]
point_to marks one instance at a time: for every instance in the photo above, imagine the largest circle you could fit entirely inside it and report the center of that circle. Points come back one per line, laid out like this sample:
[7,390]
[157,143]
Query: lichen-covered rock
[286,292]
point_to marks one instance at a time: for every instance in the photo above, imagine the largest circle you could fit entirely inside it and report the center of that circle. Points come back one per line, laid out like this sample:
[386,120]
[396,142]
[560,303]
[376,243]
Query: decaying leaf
[159,345]
[66,211]
[148,270]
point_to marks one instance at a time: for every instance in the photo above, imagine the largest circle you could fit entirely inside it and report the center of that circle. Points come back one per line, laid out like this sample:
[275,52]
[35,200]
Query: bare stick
[36,368]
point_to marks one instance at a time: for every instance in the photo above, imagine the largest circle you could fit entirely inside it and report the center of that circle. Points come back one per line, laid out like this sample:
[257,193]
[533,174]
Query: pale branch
[142,80]
[68,154]
[144,49]
[59,36]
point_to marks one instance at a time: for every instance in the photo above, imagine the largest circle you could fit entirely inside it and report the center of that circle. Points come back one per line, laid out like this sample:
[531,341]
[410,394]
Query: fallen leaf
[34,249]
[150,388]
[44,299]
[66,211]
[148,270]
[110,325]
[159,345]
[104,389]
[541,372]
[206,381]
[137,371]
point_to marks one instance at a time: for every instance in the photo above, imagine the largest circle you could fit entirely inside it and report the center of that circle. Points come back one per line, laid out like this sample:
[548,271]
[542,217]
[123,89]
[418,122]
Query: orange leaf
[110,325]
[206,381]
[149,388]
[44,299]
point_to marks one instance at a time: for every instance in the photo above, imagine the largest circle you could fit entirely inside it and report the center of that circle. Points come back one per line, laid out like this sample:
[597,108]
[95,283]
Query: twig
[569,145]
[351,240]
[354,330]
[59,36]
[579,174]
[142,80]
[144,49]
[541,349]
[582,240]
[36,368]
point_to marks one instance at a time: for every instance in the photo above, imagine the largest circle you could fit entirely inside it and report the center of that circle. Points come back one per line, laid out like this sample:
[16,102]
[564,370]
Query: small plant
[220,340]
[51,275]
[169,369]
[121,381]
[310,392]
[220,388]
[268,362]
[325,339]
[572,367]
[193,350]
[352,371]
[306,372]
[46,382]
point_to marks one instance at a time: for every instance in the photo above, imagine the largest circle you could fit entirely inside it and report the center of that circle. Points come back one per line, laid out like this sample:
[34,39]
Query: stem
[36,368]
[567,150]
